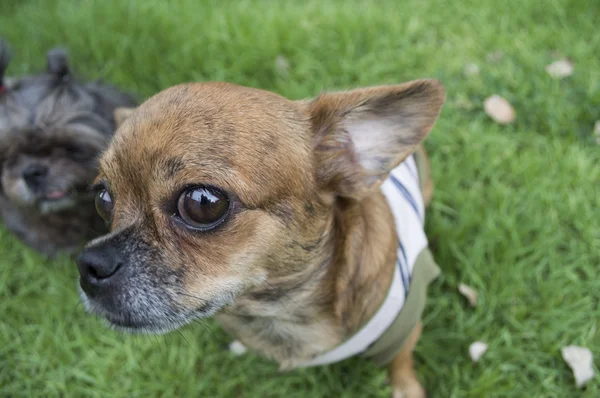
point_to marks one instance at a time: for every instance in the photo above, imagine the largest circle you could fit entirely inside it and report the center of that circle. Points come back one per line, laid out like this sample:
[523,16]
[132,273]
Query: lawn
[515,213]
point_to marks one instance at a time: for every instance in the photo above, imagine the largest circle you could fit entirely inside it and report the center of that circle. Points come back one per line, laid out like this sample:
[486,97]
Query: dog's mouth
[128,324]
[158,319]
[54,201]
[56,195]
[45,201]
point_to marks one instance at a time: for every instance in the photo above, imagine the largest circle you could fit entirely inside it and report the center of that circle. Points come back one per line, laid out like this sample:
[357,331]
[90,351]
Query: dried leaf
[469,293]
[561,68]
[237,348]
[477,349]
[579,360]
[597,131]
[471,70]
[499,109]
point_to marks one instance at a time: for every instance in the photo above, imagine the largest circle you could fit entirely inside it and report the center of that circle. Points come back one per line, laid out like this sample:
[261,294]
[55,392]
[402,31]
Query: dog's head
[211,189]
[52,129]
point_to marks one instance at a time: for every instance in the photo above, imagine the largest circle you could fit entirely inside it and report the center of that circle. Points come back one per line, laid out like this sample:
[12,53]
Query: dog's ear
[5,56]
[122,114]
[361,135]
[57,63]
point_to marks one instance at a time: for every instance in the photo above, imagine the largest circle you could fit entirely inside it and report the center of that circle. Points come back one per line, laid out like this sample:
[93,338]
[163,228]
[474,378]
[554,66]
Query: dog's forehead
[215,133]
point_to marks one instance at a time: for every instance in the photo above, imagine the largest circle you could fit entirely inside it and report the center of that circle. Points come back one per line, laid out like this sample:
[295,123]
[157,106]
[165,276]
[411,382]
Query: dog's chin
[155,325]
[154,328]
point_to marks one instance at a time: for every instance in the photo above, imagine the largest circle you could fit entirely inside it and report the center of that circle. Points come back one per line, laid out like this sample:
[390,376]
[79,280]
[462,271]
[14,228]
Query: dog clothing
[383,336]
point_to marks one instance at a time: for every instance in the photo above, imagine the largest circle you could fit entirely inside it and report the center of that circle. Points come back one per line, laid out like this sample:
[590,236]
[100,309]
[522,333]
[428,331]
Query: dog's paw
[237,348]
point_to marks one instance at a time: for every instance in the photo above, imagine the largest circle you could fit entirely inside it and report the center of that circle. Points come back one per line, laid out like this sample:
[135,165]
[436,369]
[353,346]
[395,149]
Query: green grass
[515,213]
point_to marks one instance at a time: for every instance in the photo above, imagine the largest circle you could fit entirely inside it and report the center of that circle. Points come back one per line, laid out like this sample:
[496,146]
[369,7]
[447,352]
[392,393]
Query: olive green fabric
[389,344]
[422,167]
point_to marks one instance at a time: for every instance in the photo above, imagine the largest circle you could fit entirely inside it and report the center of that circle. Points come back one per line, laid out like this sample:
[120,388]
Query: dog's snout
[98,266]
[34,174]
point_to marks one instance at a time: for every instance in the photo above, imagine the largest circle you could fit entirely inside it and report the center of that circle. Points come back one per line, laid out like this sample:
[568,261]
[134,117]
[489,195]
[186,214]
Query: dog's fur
[58,126]
[307,253]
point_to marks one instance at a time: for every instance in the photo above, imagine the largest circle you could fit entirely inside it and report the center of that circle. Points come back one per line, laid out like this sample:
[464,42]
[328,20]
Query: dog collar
[2,88]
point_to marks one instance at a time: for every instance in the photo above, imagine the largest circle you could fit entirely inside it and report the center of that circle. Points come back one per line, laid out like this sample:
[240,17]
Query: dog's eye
[104,204]
[203,208]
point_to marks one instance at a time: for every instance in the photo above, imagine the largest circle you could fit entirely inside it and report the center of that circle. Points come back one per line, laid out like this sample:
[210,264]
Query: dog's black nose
[98,266]
[34,174]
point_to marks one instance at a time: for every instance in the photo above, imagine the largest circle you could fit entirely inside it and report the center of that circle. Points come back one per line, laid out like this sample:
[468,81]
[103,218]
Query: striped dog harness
[384,334]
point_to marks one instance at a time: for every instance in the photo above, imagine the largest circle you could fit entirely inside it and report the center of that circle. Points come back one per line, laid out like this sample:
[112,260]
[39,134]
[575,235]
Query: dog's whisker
[284,295]
[205,326]
[76,308]
[190,295]
[95,231]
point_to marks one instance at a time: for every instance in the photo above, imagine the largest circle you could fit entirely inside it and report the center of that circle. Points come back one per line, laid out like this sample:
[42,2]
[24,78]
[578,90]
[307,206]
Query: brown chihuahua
[298,224]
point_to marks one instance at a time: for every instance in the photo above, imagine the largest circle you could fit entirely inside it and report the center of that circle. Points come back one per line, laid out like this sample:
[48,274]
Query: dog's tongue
[55,194]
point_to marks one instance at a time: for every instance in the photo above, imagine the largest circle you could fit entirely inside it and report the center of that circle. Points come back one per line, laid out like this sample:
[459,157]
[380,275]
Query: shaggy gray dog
[52,129]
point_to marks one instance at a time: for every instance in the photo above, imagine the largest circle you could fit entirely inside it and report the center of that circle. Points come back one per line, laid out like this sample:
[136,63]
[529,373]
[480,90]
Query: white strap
[376,326]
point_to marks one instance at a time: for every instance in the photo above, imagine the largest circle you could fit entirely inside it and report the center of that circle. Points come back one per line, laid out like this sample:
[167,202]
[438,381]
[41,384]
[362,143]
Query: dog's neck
[295,317]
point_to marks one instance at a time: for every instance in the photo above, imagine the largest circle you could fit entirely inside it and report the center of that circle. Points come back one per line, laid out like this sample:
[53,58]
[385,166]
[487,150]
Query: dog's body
[266,212]
[52,129]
